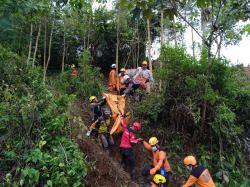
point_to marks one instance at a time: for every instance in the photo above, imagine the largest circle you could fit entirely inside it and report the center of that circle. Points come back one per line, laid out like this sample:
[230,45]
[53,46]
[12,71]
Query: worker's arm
[147,146]
[167,165]
[151,79]
[159,164]
[101,102]
[138,71]
[191,180]
[133,139]
[92,126]
[123,122]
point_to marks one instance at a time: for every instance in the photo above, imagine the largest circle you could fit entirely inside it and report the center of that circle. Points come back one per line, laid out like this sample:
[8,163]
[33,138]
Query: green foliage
[35,144]
[88,82]
[152,107]
[179,112]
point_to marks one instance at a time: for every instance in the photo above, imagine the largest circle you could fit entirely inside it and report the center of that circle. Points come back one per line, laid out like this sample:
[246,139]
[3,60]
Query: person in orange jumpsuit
[160,162]
[199,174]
[113,79]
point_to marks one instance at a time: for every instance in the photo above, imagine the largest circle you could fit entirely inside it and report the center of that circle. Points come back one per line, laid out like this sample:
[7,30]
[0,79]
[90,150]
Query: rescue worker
[73,72]
[95,110]
[198,174]
[160,162]
[130,85]
[127,141]
[102,125]
[145,73]
[112,79]
[122,85]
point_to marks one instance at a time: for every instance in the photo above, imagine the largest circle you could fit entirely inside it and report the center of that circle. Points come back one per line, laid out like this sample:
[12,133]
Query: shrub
[35,144]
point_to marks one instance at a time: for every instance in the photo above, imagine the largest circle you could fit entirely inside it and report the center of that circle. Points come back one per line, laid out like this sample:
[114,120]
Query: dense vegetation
[200,103]
[36,147]
[177,112]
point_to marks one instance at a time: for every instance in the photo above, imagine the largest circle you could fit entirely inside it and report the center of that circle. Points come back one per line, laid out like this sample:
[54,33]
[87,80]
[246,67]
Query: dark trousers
[128,159]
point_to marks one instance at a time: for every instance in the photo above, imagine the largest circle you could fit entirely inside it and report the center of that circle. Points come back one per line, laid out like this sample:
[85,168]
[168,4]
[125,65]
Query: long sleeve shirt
[128,137]
[145,73]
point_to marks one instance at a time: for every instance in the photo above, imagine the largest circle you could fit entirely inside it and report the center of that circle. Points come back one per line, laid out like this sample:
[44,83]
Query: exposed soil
[105,167]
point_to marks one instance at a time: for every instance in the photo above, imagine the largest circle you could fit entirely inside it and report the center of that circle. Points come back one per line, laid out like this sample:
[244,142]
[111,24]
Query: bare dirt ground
[105,167]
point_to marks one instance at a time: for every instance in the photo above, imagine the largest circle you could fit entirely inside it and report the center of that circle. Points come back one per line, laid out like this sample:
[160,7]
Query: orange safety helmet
[190,160]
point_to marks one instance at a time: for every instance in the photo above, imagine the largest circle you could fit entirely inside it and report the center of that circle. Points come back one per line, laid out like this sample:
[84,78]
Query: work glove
[88,133]
[152,171]
[140,140]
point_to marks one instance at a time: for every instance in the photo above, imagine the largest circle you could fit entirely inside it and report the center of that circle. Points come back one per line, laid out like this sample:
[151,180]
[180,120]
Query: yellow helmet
[190,160]
[159,179]
[91,98]
[153,141]
[122,70]
[73,66]
[144,62]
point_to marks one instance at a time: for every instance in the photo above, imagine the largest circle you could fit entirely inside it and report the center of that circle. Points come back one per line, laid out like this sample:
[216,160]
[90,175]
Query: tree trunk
[89,23]
[204,105]
[30,45]
[162,28]
[64,49]
[66,53]
[149,46]
[175,34]
[162,43]
[138,45]
[45,47]
[204,28]
[193,45]
[48,60]
[117,45]
[37,40]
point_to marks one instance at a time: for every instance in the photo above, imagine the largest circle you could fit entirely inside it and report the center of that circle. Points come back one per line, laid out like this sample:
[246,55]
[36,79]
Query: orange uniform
[159,158]
[112,80]
[201,177]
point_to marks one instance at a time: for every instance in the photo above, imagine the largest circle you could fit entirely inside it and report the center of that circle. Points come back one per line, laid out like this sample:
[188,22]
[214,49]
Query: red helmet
[137,125]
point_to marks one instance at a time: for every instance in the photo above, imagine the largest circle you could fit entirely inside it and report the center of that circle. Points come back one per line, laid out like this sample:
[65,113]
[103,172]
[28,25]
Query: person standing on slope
[102,125]
[144,73]
[127,141]
[122,84]
[96,111]
[198,174]
[160,162]
[112,79]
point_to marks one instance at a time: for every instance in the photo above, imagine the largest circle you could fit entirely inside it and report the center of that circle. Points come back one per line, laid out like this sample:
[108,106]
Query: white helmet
[126,79]
[113,66]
